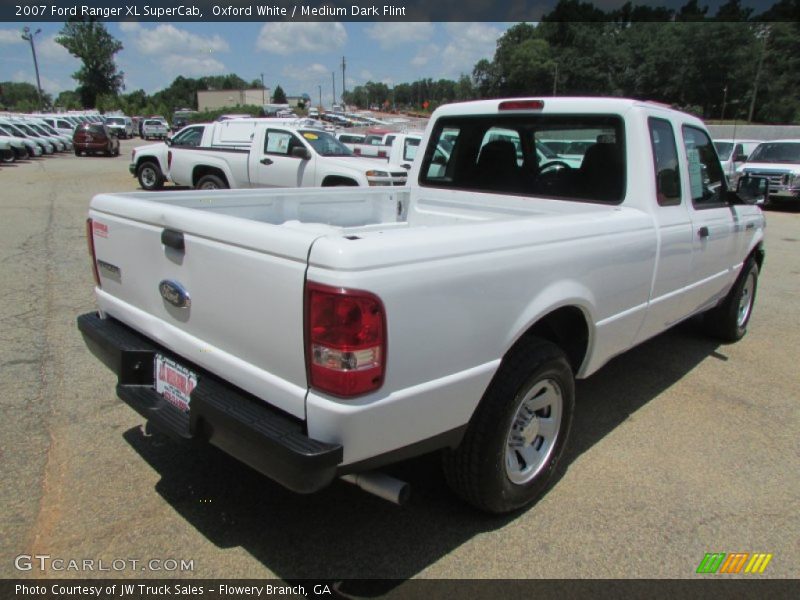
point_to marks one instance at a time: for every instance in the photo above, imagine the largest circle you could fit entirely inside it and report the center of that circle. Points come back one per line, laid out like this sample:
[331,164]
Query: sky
[298,56]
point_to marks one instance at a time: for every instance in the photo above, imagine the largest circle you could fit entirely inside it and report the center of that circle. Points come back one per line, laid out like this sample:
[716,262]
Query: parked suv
[91,138]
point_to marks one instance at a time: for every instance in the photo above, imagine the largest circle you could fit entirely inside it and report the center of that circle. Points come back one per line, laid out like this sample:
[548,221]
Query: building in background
[214,99]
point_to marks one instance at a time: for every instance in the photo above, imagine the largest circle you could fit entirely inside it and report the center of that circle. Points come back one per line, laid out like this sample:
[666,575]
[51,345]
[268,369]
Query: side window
[706,180]
[277,142]
[442,162]
[188,137]
[665,161]
[737,152]
[410,147]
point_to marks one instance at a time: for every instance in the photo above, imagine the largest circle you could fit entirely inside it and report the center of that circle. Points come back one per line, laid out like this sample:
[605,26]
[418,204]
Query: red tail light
[345,340]
[381,154]
[90,243]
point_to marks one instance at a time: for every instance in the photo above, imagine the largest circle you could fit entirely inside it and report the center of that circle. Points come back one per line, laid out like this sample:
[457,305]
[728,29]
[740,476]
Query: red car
[91,138]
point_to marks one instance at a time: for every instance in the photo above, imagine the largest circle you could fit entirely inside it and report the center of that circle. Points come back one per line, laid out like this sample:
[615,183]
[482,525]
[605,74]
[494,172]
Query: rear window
[96,129]
[503,154]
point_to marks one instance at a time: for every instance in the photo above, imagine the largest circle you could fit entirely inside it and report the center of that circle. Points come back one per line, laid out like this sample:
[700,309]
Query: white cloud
[424,55]
[366,75]
[50,50]
[51,86]
[176,51]
[10,36]
[292,38]
[468,43]
[392,35]
[166,39]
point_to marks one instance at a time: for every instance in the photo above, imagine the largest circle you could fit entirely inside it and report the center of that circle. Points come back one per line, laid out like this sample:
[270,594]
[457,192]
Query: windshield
[776,152]
[38,128]
[724,149]
[13,130]
[27,130]
[324,143]
[115,121]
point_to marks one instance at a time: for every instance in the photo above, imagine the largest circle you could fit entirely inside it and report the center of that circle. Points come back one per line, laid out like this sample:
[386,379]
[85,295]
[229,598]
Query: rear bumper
[262,437]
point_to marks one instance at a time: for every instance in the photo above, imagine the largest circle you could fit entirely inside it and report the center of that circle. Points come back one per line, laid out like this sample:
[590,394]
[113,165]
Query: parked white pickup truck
[279,156]
[316,334]
[778,161]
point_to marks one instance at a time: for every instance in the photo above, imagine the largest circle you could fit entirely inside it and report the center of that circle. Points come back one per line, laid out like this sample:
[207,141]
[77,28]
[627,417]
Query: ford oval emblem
[174,293]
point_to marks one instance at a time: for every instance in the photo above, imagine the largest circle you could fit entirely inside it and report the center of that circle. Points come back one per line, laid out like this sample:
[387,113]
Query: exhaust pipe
[381,485]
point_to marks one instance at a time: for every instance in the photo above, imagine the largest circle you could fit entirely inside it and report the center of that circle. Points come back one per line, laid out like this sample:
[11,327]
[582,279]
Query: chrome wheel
[746,300]
[149,177]
[534,431]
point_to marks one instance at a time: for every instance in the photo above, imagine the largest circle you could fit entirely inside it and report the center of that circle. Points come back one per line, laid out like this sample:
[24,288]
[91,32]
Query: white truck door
[715,250]
[274,164]
[674,225]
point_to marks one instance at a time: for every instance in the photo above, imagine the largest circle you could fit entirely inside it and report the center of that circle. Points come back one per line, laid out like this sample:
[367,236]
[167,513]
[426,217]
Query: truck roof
[548,104]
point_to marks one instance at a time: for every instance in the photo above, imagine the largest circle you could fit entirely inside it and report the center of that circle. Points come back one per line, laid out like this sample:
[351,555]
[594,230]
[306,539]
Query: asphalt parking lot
[680,447]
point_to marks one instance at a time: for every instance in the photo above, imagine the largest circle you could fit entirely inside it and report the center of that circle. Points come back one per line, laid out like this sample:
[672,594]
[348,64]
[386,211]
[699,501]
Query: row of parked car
[23,137]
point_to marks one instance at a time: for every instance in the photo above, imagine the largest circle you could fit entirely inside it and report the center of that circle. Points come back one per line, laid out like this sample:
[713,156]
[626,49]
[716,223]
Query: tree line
[729,65]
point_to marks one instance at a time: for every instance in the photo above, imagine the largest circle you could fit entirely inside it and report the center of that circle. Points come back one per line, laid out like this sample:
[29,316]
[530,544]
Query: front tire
[511,448]
[211,182]
[728,321]
[150,176]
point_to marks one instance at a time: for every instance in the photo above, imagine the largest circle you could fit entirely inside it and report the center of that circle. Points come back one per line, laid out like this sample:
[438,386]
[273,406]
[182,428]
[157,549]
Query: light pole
[28,37]
[262,90]
[320,96]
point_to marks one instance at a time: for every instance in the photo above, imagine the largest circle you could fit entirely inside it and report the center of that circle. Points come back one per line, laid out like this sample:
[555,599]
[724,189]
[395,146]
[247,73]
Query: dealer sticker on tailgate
[174,382]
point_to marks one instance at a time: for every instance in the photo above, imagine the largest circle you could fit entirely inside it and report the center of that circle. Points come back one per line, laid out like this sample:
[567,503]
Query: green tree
[95,47]
[279,96]
[21,96]
[68,100]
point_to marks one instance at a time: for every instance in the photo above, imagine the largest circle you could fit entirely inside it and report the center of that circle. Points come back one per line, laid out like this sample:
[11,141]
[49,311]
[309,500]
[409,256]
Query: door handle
[266,161]
[173,239]
[703,232]
[750,226]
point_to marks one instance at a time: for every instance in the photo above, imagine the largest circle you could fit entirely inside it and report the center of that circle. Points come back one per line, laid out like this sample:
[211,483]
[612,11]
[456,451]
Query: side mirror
[740,158]
[300,152]
[168,141]
[752,190]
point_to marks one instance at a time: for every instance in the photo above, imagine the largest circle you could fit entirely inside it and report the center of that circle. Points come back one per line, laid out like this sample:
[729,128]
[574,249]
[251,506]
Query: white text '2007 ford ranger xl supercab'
[316,334]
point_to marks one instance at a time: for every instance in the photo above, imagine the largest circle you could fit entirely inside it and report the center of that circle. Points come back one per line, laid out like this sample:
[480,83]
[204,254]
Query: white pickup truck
[279,156]
[778,161]
[318,334]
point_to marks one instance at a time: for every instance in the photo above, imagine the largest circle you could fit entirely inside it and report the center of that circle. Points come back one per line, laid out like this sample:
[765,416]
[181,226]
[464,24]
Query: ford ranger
[323,334]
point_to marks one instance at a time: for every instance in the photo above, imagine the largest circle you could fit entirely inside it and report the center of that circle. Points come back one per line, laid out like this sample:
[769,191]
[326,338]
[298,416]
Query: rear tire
[511,448]
[728,321]
[211,182]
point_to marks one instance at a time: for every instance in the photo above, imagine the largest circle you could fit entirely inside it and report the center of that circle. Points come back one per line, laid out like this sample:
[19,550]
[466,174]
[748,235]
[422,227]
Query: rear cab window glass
[665,161]
[509,154]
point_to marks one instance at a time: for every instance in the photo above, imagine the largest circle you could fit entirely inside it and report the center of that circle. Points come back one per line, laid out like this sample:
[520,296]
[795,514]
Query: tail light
[521,105]
[90,244]
[345,333]
[381,154]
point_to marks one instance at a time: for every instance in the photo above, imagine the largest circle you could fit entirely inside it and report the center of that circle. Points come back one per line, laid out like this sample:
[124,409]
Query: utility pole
[724,102]
[343,82]
[28,37]
[262,89]
[320,96]
[333,81]
[764,36]
[555,80]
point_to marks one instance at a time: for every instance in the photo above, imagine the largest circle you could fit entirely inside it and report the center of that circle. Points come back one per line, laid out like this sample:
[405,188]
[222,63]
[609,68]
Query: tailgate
[244,280]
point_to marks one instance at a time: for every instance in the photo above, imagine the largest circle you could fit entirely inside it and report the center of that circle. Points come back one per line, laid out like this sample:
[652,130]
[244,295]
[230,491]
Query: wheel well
[147,159]
[758,255]
[332,180]
[566,327]
[202,171]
